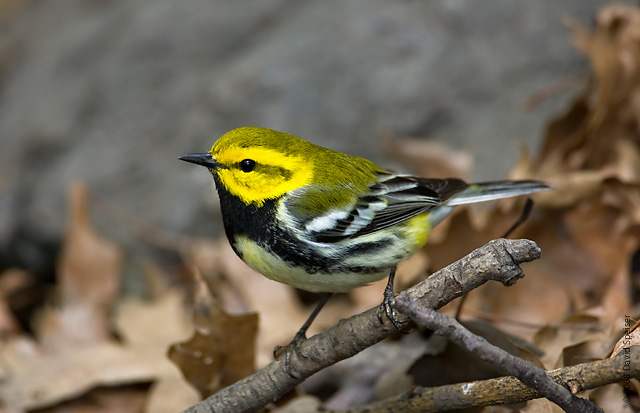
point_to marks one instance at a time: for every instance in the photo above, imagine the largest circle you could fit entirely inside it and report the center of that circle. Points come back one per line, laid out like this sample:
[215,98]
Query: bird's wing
[388,201]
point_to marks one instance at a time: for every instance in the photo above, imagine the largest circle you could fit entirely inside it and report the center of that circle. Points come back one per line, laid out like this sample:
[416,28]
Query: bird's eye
[247,165]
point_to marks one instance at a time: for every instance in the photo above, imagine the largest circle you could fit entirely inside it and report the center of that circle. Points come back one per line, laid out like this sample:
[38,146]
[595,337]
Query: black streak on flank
[258,224]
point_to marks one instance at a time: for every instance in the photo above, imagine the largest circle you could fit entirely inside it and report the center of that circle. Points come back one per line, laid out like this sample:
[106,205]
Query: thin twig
[524,370]
[498,260]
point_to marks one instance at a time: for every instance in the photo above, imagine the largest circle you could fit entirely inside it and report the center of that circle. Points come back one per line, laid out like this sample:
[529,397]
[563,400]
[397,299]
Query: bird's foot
[293,346]
[386,309]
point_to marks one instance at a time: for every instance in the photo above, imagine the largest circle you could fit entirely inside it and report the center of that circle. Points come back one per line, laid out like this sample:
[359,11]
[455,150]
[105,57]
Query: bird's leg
[386,308]
[300,336]
[524,216]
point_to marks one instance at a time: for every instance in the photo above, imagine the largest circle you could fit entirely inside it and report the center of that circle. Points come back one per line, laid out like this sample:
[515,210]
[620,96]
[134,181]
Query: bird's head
[257,164]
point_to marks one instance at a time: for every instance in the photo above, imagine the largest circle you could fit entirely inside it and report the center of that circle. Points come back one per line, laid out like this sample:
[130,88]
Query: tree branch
[498,260]
[524,370]
[508,390]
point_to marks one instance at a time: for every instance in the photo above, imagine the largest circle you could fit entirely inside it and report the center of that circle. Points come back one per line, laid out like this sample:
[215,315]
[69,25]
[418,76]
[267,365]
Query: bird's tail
[484,191]
[487,191]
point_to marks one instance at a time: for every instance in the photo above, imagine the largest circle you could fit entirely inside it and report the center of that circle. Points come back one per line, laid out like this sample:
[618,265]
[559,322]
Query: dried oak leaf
[630,338]
[170,395]
[589,226]
[89,269]
[124,399]
[35,379]
[88,283]
[222,348]
[241,289]
[76,353]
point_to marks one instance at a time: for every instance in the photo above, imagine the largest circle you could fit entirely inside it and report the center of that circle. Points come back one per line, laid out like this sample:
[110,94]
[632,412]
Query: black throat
[256,223]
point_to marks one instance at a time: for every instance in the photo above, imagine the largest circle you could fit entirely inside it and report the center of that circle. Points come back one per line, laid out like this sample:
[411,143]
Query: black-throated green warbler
[324,221]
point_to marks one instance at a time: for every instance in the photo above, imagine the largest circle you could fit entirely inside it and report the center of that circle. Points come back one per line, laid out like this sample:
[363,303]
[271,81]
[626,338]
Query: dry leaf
[89,280]
[242,289]
[611,398]
[42,380]
[76,352]
[89,269]
[123,399]
[222,348]
[629,339]
[553,340]
[170,395]
[136,320]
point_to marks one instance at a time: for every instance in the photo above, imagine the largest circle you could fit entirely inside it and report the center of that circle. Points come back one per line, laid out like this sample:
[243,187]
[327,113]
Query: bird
[325,221]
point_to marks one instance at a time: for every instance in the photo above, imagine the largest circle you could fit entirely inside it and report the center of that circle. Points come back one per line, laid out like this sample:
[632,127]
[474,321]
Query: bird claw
[299,338]
[386,309]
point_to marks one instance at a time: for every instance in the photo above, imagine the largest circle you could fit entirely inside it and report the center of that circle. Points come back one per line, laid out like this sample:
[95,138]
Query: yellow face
[256,174]
[257,164]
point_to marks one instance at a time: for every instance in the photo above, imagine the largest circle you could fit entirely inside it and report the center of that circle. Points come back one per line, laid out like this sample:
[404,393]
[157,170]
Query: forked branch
[524,370]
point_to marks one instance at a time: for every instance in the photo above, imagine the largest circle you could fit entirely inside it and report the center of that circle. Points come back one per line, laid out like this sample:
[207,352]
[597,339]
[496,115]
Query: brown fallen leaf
[222,348]
[241,289]
[611,398]
[88,284]
[36,380]
[554,339]
[136,320]
[89,268]
[630,338]
[121,399]
[76,352]
[170,395]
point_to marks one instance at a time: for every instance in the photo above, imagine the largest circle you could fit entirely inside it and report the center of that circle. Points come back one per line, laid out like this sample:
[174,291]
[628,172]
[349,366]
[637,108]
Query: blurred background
[110,93]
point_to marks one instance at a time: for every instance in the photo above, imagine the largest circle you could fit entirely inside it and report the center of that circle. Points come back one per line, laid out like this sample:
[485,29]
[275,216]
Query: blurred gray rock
[111,92]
